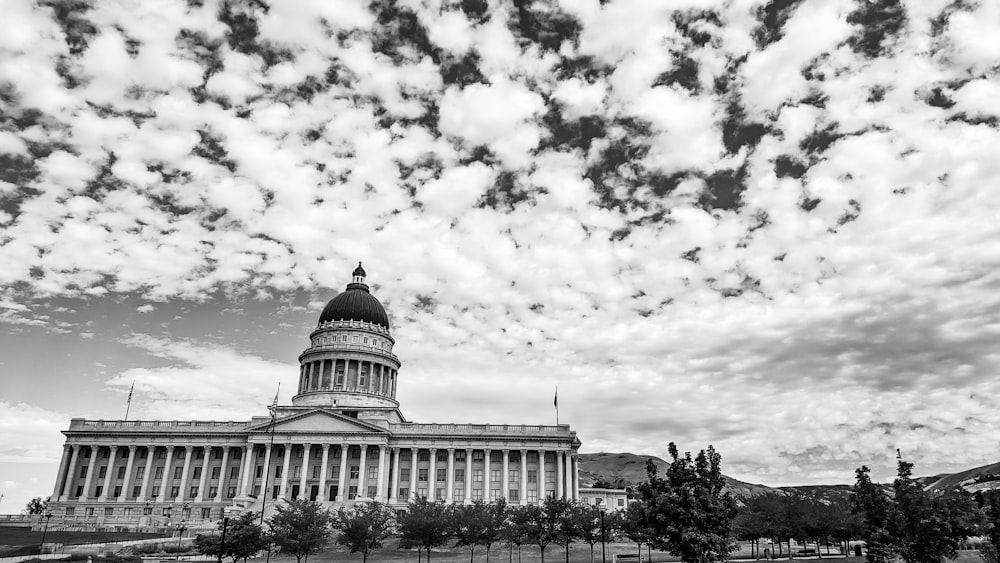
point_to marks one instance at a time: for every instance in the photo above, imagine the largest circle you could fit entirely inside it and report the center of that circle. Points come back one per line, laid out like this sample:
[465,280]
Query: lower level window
[459,494]
[352,492]
[404,494]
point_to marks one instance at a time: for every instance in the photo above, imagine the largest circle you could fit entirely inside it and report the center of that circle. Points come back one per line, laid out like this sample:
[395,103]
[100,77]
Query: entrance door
[313,492]
[333,492]
[295,491]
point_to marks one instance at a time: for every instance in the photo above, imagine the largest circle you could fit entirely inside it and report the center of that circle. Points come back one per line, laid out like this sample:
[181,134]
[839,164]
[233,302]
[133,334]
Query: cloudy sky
[772,227]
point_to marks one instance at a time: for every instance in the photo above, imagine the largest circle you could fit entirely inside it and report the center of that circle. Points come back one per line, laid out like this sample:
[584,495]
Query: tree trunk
[789,549]
[487,554]
[541,550]
[638,547]
[649,552]
[420,554]
[566,550]
[472,552]
[591,553]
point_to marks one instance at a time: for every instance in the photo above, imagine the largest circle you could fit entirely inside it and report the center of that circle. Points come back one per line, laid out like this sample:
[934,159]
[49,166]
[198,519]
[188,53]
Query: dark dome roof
[355,304]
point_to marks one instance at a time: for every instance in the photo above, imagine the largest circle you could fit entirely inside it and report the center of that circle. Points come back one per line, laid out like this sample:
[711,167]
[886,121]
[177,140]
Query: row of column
[70,463]
[347,375]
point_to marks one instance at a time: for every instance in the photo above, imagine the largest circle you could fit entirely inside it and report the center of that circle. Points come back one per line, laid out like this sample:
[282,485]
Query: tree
[587,523]
[561,513]
[425,525]
[633,525]
[36,506]
[875,508]
[244,538]
[365,528]
[989,503]
[469,525]
[540,527]
[517,528]
[300,527]
[688,511]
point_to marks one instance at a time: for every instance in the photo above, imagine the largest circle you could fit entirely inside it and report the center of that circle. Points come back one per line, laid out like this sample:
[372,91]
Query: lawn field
[17,540]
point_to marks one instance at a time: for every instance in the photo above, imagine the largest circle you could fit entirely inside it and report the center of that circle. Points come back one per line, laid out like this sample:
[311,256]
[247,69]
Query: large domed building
[343,439]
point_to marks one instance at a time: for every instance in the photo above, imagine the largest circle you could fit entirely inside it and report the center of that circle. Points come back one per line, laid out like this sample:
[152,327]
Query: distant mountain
[621,470]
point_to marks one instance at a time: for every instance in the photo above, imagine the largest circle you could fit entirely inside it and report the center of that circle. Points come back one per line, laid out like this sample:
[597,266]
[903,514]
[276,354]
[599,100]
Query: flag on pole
[555,401]
[274,405]
[128,402]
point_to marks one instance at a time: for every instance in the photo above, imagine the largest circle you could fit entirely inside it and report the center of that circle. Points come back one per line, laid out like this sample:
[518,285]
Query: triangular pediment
[319,421]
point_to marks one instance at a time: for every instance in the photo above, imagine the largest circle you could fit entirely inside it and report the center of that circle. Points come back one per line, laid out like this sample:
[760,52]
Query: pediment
[319,422]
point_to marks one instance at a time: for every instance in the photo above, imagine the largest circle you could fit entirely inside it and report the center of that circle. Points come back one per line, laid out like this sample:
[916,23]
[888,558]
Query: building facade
[343,439]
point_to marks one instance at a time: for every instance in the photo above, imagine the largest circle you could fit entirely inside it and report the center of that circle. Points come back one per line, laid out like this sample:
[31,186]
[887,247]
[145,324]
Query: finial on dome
[358,278]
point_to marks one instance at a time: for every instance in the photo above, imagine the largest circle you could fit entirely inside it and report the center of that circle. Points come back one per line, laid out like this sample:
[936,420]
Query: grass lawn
[19,539]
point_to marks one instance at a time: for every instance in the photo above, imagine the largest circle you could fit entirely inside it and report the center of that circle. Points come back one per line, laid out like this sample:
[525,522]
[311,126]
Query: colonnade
[347,375]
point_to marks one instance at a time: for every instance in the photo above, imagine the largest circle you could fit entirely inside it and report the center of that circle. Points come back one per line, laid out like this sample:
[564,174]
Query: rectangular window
[231,493]
[404,493]
[234,472]
[156,491]
[102,472]
[532,496]
[194,492]
[277,472]
[460,455]
[494,494]
[136,490]
[127,511]
[621,502]
[460,475]
[442,474]
[422,492]
[109,511]
[477,455]
[89,511]
[199,454]
[423,455]
[79,490]
[165,512]
[513,495]
[217,454]
[121,472]
[355,471]
[459,494]
[362,379]
[70,511]
[100,489]
[532,476]
[260,472]
[352,492]
[422,475]
[404,474]
[162,454]
[140,472]
[213,492]
[515,475]
[256,491]
[373,472]
[175,492]
[147,511]
[356,453]
[106,454]
[83,471]
[477,494]
[178,471]
[297,470]
[550,476]
[372,491]
[118,491]
[494,475]
[206,513]
[158,474]
[532,457]
[336,472]
[442,455]
[477,475]
[197,473]
[215,472]
[316,469]
[439,494]
[143,454]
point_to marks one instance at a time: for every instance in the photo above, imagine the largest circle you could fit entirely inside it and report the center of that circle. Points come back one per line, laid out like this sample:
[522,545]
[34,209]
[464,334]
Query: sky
[769,227]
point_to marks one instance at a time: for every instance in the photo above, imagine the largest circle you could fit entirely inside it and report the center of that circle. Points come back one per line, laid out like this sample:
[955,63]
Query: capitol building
[343,439]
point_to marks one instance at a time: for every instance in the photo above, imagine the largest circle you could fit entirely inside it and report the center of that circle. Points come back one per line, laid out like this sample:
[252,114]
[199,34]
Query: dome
[355,304]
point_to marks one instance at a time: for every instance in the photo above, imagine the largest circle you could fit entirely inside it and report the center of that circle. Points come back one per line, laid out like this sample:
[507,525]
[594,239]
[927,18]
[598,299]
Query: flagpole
[555,403]
[128,403]
[267,470]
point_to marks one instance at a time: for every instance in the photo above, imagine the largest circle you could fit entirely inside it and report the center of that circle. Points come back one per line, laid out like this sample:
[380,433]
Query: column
[283,491]
[109,478]
[264,493]
[246,470]
[207,456]
[362,466]
[342,481]
[128,474]
[505,474]
[560,478]
[323,493]
[185,473]
[524,477]
[576,477]
[147,473]
[220,487]
[432,476]
[487,483]
[304,474]
[70,478]
[468,475]
[166,475]
[61,476]
[413,472]
[540,483]
[91,469]
[380,482]
[394,480]
[449,494]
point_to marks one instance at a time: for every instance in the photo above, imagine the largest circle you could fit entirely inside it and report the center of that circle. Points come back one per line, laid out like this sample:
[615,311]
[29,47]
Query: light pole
[48,516]
[601,509]
[180,534]
[222,542]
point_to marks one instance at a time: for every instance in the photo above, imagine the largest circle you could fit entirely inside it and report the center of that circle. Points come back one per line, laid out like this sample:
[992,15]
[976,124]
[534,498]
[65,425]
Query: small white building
[612,499]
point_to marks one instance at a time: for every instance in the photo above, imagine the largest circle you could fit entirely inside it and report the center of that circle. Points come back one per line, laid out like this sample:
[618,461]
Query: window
[515,457]
[215,472]
[234,472]
[199,454]
[139,472]
[373,472]
[206,513]
[298,454]
[423,455]
[460,455]
[439,494]
[194,492]
[514,475]
[532,476]
[372,491]
[231,493]
[494,475]
[404,493]
[442,455]
[621,502]
[109,511]
[336,472]
[422,492]
[256,490]
[79,490]
[259,472]
[356,453]
[178,472]
[159,473]
[143,454]
[297,470]
[442,474]
[147,511]
[216,454]
[343,338]
[156,491]
[136,491]
[459,474]
[365,340]
[238,454]
[532,457]
[494,494]
[532,496]
[102,471]
[459,494]
[162,454]
[121,472]
[89,511]
[70,511]
[405,455]
[404,474]
[127,511]
[213,492]
[175,492]
[477,475]
[83,471]
[277,472]
[352,492]
[477,455]
[105,454]
[477,494]
[355,471]
[513,495]
[340,377]
[550,476]
[100,489]
[165,512]
[316,472]
[422,475]
[118,491]
[197,473]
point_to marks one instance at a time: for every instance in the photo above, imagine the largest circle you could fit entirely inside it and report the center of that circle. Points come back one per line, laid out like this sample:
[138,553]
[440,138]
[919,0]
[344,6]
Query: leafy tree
[244,538]
[300,527]
[425,525]
[989,502]
[929,526]
[540,526]
[560,512]
[633,525]
[36,506]
[479,523]
[687,510]
[365,528]
[587,524]
[517,528]
[875,508]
